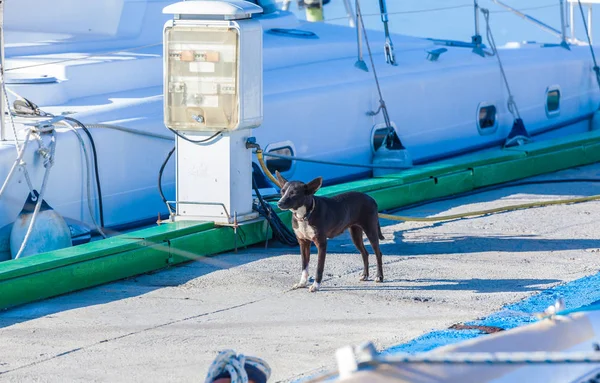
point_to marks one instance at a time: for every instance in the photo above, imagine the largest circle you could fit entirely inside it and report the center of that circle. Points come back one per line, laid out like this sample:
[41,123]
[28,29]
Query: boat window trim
[487,129]
[552,113]
[279,146]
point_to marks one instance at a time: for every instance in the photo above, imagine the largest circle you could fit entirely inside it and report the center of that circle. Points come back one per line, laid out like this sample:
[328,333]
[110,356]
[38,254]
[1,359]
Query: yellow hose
[490,211]
[261,160]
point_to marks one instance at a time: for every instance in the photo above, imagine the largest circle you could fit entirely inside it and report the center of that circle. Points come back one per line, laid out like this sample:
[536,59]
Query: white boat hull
[578,333]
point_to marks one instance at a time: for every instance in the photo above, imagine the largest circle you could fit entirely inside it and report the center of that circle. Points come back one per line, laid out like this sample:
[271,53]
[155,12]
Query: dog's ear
[282,181]
[314,185]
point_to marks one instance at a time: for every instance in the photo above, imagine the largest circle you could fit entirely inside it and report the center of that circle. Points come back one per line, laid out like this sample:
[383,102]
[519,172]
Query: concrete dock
[168,326]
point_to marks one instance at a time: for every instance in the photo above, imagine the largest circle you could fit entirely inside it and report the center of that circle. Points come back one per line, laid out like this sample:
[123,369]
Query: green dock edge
[67,270]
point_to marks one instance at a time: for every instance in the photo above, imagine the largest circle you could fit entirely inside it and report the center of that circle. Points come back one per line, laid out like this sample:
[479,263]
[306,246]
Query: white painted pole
[476,12]
[563,28]
[590,22]
[572,22]
[349,13]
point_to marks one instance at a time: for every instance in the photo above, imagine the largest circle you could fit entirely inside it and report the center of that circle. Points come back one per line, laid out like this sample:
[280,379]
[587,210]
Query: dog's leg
[356,233]
[322,247]
[373,236]
[305,253]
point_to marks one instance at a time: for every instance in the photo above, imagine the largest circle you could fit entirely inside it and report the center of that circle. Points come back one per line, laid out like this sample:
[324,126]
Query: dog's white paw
[303,281]
[300,285]
[314,287]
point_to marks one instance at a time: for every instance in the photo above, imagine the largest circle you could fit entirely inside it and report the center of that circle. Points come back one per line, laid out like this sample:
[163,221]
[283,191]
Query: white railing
[589,4]
[559,33]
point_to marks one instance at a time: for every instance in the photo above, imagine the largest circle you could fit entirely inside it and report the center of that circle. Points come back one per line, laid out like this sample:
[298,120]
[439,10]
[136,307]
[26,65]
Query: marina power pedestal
[213,97]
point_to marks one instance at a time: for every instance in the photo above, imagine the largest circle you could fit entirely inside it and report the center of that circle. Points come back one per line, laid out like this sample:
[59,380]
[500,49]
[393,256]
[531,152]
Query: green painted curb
[63,271]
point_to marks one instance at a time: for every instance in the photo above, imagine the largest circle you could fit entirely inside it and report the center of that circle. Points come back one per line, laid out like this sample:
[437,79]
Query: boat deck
[169,325]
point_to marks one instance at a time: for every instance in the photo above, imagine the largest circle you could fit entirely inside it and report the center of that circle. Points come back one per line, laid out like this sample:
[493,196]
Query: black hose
[280,231]
[95,155]
[160,174]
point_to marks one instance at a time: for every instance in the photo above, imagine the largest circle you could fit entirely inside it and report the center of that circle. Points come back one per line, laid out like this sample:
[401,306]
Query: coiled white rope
[229,361]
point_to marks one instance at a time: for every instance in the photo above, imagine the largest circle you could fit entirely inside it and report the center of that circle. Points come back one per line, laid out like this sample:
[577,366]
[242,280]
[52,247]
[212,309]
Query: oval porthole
[553,101]
[487,121]
[283,165]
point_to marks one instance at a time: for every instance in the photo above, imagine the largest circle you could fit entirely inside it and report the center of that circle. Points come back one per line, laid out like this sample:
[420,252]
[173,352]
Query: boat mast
[476,38]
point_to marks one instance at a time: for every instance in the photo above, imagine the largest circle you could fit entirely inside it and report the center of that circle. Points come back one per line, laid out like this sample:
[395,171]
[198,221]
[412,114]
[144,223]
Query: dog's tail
[379,231]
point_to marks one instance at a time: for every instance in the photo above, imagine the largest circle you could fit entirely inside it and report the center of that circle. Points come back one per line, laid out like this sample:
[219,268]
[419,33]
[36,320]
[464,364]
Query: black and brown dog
[316,219]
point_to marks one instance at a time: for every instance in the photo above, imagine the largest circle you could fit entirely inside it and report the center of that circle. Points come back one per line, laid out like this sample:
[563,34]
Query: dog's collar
[307,216]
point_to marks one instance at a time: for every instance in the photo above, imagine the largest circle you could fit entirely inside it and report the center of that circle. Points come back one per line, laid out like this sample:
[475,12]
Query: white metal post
[214,180]
[476,38]
[360,63]
[589,22]
[349,13]
[563,28]
[476,11]
[572,21]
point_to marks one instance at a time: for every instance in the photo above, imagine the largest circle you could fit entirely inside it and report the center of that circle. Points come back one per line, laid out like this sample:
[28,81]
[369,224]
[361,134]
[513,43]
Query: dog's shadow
[476,244]
[475,285]
[400,246]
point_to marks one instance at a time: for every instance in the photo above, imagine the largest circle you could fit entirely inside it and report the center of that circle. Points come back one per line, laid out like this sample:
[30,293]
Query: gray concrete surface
[168,326]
